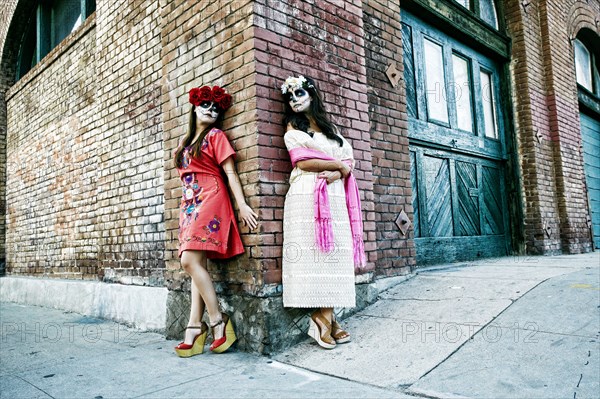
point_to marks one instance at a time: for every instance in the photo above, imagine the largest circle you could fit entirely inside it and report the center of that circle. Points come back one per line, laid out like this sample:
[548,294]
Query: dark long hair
[195,151]
[317,111]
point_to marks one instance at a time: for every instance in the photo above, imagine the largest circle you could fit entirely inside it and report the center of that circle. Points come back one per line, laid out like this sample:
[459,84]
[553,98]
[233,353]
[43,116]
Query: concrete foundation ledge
[385,283]
[144,308]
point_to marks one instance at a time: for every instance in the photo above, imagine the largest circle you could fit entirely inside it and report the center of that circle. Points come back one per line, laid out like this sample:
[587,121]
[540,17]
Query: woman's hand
[248,216]
[330,176]
[344,169]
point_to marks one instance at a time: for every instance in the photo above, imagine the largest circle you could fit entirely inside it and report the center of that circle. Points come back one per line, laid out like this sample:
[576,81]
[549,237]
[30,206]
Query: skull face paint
[207,112]
[300,100]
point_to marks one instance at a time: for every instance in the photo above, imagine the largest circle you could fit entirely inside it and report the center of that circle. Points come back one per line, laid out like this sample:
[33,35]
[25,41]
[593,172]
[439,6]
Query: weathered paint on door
[456,133]
[590,135]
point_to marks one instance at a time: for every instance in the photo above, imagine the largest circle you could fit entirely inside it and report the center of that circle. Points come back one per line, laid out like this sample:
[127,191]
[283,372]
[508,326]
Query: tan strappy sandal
[319,329]
[338,333]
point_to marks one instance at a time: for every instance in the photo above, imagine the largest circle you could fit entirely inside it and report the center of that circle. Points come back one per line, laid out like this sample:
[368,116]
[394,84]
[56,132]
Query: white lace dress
[311,278]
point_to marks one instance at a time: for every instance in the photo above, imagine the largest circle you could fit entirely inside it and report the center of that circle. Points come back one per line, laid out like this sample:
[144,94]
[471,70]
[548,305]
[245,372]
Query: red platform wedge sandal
[197,346]
[222,344]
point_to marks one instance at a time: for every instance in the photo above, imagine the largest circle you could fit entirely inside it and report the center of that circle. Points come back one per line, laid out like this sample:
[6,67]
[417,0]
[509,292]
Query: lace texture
[312,278]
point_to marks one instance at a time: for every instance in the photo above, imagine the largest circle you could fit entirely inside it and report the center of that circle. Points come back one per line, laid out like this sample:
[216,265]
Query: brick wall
[323,40]
[6,14]
[547,124]
[96,207]
[562,103]
[49,112]
[389,137]
[112,209]
[127,143]
[7,52]
[208,43]
[582,14]
[85,154]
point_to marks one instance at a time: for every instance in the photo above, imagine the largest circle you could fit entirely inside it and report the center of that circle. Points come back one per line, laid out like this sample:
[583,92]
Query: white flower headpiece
[292,83]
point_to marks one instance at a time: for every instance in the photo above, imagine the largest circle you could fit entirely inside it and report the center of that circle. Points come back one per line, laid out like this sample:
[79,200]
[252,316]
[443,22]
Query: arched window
[48,24]
[586,62]
[484,9]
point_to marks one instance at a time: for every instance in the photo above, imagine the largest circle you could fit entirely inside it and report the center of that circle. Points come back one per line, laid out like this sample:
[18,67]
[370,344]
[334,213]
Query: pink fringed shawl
[323,226]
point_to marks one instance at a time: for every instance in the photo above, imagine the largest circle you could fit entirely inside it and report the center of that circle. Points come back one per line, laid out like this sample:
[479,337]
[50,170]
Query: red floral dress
[206,218]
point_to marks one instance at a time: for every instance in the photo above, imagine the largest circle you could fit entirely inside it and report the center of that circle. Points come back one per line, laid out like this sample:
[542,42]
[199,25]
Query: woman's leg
[337,332]
[196,312]
[327,313]
[194,263]
[320,327]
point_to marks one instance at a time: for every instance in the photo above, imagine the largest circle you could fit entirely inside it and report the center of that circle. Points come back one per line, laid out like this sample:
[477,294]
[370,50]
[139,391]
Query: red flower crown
[217,95]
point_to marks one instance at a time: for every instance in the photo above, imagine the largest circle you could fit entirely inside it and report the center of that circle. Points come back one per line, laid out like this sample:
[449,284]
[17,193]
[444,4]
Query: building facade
[475,125]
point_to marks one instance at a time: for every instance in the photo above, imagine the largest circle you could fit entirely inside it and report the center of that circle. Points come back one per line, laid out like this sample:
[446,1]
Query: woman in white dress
[322,223]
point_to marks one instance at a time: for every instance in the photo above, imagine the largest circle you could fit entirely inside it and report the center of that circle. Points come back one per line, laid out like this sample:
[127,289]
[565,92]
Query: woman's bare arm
[318,165]
[246,213]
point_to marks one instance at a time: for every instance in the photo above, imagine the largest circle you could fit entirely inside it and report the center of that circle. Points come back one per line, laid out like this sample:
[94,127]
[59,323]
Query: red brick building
[475,124]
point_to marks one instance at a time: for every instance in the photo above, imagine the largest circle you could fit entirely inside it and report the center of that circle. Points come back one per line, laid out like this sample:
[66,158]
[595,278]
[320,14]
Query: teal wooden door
[457,150]
[590,135]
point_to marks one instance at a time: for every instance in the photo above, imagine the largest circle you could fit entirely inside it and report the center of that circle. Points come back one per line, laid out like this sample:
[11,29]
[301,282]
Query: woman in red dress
[207,225]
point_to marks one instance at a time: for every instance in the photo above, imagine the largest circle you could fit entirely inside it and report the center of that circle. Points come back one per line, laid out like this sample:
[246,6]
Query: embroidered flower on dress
[214,225]
[199,197]
[191,199]
[186,158]
[204,240]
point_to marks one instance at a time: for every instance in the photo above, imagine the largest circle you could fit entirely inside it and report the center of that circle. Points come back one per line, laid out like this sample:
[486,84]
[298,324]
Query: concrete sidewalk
[509,327]
[501,328]
[48,353]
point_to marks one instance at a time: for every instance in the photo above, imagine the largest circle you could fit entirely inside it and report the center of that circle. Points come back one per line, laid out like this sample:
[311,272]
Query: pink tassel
[356,225]
[323,225]
[360,260]
[324,237]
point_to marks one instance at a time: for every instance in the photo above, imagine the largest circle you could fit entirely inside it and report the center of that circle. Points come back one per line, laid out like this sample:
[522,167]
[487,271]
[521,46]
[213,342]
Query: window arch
[49,23]
[587,57]
[484,9]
